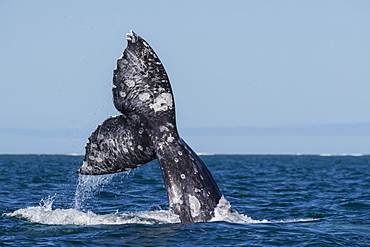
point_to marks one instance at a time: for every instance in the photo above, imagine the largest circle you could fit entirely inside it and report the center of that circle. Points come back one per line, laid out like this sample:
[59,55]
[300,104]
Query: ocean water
[281,201]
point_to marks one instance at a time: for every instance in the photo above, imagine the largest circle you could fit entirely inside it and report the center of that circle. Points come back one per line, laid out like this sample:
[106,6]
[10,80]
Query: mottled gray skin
[142,92]
[118,144]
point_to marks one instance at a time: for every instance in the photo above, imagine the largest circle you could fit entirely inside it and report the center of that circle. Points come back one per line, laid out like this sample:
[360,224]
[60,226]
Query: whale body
[147,130]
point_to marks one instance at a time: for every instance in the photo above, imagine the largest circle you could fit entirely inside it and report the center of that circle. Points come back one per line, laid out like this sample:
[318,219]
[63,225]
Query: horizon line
[205,154]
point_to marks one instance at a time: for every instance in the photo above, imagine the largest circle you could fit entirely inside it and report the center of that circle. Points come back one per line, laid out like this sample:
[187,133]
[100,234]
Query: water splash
[45,215]
[224,212]
[47,203]
[88,186]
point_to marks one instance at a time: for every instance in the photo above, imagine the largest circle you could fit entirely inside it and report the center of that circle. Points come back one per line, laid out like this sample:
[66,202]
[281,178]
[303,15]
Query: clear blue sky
[273,65]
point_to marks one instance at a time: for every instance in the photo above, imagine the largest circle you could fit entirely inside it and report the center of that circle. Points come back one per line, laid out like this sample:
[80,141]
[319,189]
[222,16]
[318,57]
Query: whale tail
[142,92]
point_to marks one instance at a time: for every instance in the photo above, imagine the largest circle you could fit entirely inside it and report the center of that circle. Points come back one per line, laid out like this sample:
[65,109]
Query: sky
[249,77]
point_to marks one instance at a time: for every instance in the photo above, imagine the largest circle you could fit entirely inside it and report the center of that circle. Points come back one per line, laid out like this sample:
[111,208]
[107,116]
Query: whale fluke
[142,92]
[118,144]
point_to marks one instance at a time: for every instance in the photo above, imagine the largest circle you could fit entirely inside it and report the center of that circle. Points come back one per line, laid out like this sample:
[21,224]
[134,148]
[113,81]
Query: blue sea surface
[282,200]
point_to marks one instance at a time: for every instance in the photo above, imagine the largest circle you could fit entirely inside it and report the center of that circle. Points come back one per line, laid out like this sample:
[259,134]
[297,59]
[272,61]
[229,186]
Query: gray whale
[147,131]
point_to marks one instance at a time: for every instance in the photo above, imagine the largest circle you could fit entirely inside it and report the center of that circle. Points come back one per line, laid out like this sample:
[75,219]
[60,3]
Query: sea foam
[45,214]
[88,186]
[224,212]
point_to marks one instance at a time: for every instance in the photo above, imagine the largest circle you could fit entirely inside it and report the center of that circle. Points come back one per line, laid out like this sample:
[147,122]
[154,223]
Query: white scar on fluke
[147,130]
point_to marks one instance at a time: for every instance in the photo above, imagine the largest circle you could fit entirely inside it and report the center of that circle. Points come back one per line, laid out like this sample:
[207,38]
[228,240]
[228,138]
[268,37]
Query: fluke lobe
[147,130]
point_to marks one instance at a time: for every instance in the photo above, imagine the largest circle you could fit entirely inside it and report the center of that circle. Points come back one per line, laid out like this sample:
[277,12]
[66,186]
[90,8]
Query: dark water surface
[281,200]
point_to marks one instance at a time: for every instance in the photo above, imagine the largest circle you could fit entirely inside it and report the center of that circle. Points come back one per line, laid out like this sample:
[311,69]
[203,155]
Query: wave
[74,154]
[205,154]
[295,220]
[44,214]
[343,154]
[88,186]
[75,217]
